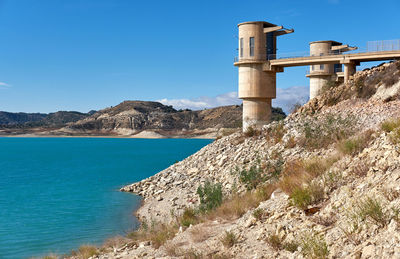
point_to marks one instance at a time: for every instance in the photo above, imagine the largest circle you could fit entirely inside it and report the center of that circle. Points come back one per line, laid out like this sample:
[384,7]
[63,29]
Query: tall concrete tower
[321,74]
[257,81]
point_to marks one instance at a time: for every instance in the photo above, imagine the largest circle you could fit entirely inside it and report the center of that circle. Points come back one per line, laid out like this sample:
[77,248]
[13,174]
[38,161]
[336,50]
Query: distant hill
[131,116]
[128,118]
[30,120]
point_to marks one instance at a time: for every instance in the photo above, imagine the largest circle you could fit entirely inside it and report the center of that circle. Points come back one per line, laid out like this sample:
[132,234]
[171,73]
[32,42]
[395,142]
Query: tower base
[256,112]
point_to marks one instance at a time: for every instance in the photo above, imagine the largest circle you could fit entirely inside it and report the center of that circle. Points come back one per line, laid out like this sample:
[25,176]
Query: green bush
[301,197]
[252,177]
[210,196]
[314,246]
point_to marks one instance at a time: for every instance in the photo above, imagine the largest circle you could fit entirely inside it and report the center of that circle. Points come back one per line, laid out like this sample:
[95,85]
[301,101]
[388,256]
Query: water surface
[59,193]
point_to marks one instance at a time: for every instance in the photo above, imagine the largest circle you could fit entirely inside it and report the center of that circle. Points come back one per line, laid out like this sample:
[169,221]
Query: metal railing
[372,46]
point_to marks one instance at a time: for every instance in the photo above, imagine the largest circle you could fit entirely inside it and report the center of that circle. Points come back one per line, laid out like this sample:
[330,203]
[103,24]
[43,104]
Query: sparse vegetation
[390,125]
[302,197]
[371,209]
[320,132]
[275,242]
[314,246]
[210,196]
[276,132]
[258,213]
[251,132]
[259,172]
[85,251]
[229,239]
[157,233]
[355,145]
[189,217]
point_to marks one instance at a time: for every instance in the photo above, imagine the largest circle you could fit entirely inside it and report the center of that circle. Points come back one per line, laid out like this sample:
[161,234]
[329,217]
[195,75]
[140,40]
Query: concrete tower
[257,81]
[323,73]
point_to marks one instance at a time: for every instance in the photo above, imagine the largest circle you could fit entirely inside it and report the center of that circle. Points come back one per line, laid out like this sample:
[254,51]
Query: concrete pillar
[320,74]
[349,70]
[256,112]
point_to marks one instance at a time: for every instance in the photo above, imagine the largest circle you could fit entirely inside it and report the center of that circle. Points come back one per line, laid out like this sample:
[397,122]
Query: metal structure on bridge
[258,64]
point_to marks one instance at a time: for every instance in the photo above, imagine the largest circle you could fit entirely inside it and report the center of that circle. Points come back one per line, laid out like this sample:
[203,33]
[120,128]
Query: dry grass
[115,242]
[275,242]
[158,233]
[251,132]
[355,145]
[297,176]
[390,125]
[229,239]
[314,246]
[319,132]
[85,252]
[238,205]
[276,132]
[370,209]
[290,142]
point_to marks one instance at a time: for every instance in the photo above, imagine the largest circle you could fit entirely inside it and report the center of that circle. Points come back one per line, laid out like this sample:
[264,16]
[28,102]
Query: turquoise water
[59,193]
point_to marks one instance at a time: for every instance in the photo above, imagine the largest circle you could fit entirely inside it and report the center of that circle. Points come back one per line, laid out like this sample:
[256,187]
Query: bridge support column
[349,70]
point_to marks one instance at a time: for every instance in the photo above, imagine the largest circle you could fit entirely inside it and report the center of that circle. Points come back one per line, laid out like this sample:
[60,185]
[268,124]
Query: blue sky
[91,54]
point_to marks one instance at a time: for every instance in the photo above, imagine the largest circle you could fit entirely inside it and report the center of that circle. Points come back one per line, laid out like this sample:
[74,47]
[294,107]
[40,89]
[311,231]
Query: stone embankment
[335,221]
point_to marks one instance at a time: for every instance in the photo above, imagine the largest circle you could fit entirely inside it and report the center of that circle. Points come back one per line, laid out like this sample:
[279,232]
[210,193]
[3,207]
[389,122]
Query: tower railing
[371,46]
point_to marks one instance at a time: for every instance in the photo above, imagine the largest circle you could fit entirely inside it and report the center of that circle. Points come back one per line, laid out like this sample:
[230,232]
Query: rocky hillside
[133,117]
[323,183]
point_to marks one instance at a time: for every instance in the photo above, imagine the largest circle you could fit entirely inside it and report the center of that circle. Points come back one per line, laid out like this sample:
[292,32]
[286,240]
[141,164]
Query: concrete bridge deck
[336,59]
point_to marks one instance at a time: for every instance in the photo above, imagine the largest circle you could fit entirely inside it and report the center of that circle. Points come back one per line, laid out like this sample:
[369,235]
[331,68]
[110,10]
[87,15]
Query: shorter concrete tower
[321,74]
[257,81]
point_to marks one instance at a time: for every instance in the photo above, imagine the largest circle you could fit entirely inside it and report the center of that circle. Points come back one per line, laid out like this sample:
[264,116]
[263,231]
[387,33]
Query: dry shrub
[314,246]
[355,145]
[229,239]
[390,125]
[157,233]
[115,242]
[302,197]
[276,132]
[294,176]
[85,251]
[319,132]
[275,242]
[238,205]
[251,132]
[290,142]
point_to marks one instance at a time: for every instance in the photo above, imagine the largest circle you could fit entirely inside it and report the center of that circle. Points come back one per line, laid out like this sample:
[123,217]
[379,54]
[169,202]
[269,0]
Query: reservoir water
[59,193]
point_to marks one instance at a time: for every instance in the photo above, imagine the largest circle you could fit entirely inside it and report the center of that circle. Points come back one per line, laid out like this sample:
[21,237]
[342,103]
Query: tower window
[241,47]
[321,67]
[251,43]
